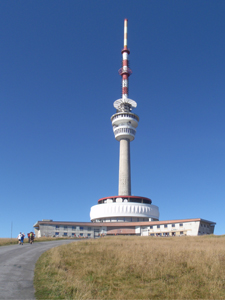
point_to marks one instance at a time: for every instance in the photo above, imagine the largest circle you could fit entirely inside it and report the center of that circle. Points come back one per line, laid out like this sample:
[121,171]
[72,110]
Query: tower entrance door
[96,233]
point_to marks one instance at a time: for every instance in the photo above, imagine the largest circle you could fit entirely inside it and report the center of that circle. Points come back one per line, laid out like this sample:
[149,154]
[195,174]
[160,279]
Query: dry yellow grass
[47,239]
[8,241]
[134,268]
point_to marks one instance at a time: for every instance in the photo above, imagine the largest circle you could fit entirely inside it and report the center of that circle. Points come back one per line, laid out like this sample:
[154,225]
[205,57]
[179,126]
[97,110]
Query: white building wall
[192,228]
[137,230]
[185,228]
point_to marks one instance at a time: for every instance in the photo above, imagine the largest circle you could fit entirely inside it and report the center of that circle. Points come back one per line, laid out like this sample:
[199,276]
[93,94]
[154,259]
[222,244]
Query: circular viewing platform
[125,199]
[124,209]
[129,118]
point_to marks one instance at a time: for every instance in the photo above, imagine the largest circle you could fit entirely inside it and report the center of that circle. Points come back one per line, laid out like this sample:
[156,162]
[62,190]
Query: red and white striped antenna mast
[124,103]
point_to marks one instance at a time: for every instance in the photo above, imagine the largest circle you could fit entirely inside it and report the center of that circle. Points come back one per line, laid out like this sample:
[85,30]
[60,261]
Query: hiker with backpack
[22,238]
[31,237]
[19,238]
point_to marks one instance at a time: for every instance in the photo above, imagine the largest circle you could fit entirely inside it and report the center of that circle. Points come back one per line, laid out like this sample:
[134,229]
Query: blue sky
[59,64]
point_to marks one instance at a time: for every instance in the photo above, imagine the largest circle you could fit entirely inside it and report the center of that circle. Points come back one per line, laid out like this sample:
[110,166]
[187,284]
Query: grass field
[9,241]
[134,268]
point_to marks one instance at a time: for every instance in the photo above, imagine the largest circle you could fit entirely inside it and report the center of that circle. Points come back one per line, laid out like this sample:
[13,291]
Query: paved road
[17,264]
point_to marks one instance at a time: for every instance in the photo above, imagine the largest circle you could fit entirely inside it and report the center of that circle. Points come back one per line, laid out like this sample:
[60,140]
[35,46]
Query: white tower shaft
[124,168]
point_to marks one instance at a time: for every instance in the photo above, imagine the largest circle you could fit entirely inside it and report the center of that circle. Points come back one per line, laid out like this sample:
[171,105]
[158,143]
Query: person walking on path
[19,238]
[22,238]
[31,237]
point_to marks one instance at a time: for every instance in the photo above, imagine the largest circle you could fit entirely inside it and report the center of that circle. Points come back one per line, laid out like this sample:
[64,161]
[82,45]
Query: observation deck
[124,125]
[124,209]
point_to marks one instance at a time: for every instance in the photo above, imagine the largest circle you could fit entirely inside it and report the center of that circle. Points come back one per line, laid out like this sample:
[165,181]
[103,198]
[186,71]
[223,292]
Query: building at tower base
[185,227]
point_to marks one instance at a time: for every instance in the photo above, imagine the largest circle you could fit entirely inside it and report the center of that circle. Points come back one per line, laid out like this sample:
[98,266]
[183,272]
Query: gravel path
[17,264]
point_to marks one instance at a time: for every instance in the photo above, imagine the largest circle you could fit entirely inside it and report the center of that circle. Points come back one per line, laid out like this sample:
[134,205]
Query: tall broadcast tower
[124,122]
[124,207]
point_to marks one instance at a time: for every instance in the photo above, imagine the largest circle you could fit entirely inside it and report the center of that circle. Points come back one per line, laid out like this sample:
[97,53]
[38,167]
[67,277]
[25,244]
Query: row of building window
[118,220]
[73,234]
[121,220]
[204,225]
[126,130]
[125,116]
[166,225]
[119,200]
[73,227]
[167,233]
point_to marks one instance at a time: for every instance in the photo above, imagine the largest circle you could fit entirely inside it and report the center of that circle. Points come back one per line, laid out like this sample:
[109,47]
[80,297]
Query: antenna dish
[118,103]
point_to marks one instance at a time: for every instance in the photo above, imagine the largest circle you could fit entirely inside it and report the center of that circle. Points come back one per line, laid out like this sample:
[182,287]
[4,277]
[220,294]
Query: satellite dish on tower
[118,102]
